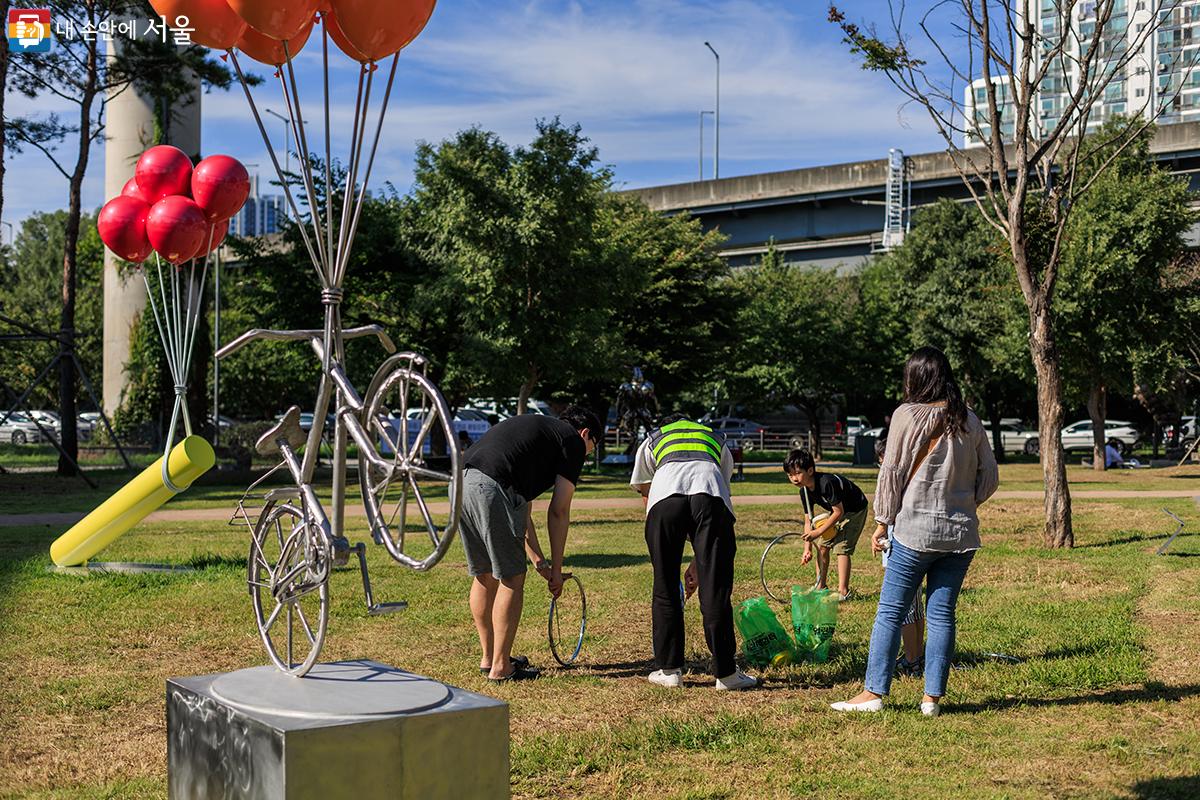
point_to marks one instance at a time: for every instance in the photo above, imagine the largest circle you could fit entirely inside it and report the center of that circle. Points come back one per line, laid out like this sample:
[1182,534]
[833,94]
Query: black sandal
[518,674]
[518,662]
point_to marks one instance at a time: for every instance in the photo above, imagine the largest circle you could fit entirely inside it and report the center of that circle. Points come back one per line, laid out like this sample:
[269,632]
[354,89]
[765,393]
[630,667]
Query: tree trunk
[527,389]
[1097,411]
[66,327]
[997,436]
[1058,531]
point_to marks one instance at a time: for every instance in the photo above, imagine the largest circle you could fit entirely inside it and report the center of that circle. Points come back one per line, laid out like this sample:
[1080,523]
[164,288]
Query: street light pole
[717,116]
[287,133]
[702,113]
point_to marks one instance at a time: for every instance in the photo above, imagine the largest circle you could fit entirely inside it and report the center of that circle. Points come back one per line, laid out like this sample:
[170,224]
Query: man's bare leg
[506,615]
[483,595]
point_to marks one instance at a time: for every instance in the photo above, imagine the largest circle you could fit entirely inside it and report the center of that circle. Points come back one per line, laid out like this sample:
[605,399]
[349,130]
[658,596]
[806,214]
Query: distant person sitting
[1113,457]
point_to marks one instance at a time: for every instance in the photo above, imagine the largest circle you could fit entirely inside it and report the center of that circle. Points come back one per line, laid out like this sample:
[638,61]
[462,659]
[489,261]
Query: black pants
[708,524]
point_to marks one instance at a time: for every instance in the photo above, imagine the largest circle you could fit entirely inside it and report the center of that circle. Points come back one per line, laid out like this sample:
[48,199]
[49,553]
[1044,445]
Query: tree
[519,230]
[77,72]
[953,289]
[1124,237]
[1024,178]
[794,341]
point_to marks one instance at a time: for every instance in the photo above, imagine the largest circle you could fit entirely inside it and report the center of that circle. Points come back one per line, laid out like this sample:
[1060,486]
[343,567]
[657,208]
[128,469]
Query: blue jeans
[905,570]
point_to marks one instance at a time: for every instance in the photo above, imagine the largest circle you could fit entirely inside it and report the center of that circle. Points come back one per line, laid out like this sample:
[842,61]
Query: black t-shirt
[526,453]
[832,489]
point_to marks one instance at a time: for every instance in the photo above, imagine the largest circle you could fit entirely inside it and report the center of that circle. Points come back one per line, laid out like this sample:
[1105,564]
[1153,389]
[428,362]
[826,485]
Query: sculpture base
[352,729]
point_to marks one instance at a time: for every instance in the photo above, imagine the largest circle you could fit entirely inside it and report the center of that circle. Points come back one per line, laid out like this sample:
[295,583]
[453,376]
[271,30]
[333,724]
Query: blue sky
[633,73]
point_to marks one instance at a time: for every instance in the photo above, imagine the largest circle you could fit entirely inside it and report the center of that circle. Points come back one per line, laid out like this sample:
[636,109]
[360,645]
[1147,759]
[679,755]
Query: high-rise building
[1149,53]
[262,214]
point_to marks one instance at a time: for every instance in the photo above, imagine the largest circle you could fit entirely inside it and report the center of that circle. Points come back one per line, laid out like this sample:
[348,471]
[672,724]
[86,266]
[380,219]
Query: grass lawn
[1103,703]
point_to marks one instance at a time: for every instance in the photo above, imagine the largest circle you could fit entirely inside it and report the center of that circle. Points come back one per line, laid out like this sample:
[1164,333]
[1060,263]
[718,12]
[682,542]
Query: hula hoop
[566,652]
[762,565]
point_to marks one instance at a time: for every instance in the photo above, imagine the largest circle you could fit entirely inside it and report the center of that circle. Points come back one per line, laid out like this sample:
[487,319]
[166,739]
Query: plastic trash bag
[764,641]
[814,620]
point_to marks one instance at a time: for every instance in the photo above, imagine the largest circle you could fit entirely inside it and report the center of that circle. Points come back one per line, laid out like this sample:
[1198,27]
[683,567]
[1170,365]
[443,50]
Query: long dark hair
[929,379]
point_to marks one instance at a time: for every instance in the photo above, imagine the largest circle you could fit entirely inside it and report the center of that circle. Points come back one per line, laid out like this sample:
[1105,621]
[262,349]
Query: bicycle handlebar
[304,336]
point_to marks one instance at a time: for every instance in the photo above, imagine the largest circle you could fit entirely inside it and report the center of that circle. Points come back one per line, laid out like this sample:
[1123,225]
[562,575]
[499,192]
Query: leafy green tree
[1115,303]
[794,335]
[953,288]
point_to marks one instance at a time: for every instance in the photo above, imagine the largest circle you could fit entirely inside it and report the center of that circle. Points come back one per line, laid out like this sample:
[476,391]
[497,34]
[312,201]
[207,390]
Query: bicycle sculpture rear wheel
[289,586]
[419,490]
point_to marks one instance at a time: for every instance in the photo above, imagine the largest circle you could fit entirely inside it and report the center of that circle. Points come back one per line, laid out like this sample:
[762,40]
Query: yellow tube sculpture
[188,460]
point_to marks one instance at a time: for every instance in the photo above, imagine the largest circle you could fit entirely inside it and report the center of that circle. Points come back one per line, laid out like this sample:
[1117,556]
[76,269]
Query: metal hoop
[762,565]
[559,649]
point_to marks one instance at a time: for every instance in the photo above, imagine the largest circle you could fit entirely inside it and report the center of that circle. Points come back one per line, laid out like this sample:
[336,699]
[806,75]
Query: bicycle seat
[287,429]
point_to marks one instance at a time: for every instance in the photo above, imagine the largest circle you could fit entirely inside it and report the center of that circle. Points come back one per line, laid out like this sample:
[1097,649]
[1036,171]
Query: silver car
[18,428]
[1078,436]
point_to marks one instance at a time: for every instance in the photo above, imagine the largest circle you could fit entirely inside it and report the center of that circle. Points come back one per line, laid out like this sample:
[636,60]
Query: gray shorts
[492,527]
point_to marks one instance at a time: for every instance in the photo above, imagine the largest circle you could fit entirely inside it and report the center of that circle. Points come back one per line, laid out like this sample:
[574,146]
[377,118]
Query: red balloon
[215,23]
[220,185]
[276,19]
[329,19]
[266,50]
[378,28]
[214,238]
[130,189]
[176,228]
[163,171]
[122,227]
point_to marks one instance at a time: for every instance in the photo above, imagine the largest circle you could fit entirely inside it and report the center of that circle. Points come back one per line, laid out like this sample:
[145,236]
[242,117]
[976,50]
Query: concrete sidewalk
[66,519]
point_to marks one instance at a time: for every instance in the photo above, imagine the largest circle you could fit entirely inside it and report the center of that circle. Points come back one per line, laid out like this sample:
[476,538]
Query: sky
[633,73]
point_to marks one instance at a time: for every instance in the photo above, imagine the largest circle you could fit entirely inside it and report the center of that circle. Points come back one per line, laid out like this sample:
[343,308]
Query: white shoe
[931,709]
[736,682]
[866,705]
[671,678]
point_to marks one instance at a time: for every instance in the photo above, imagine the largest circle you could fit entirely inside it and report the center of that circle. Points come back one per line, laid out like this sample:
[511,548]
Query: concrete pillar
[130,130]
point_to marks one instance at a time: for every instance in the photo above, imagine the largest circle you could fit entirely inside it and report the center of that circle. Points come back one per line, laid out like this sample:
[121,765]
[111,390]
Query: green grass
[1102,703]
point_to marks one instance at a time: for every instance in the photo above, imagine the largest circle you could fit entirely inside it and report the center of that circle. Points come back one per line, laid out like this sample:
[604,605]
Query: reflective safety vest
[685,441]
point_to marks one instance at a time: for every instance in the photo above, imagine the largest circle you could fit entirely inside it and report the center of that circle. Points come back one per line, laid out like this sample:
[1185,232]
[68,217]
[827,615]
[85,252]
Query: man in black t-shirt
[513,463]
[845,507]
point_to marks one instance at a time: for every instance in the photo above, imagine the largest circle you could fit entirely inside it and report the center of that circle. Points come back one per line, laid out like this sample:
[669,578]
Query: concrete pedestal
[350,729]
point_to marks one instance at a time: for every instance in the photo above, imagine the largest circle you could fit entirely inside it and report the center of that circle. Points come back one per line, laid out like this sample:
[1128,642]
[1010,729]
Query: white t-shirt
[682,477]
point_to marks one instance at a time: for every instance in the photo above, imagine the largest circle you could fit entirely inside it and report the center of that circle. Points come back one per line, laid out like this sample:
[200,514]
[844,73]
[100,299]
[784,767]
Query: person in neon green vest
[682,471]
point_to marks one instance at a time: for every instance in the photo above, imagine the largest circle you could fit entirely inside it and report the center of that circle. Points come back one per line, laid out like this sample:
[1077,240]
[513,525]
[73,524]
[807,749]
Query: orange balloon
[378,28]
[276,19]
[329,20]
[265,50]
[214,21]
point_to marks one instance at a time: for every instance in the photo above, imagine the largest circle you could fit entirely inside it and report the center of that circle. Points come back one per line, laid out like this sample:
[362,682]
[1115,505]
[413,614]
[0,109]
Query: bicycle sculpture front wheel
[289,586]
[412,481]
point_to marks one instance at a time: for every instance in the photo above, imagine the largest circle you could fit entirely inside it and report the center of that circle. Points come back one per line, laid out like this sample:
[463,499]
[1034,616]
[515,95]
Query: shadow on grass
[211,560]
[1149,692]
[604,560]
[1184,787]
[1148,537]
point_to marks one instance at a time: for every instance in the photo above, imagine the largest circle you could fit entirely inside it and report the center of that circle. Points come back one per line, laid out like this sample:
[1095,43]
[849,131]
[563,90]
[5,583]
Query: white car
[1078,436]
[855,426]
[17,428]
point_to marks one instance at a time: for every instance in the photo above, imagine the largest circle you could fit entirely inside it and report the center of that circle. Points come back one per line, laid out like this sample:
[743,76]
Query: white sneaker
[931,709]
[671,678]
[866,705]
[736,682]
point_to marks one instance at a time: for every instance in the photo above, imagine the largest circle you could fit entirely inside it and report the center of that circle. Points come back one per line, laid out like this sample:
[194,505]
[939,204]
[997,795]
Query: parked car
[18,428]
[855,425]
[1187,433]
[1078,436]
[736,429]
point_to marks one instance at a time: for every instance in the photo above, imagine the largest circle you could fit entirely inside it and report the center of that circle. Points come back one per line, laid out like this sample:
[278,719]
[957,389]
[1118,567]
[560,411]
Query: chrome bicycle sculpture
[401,426]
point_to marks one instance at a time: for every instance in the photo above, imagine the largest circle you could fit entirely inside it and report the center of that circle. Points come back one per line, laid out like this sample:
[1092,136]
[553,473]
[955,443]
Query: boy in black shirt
[847,514]
[514,462]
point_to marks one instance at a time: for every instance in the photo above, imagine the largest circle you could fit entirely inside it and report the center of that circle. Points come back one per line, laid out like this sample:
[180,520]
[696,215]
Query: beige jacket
[936,510]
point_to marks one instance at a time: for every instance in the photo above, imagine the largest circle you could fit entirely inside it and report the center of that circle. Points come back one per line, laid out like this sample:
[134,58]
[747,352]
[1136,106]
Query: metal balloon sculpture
[401,425]
[181,215]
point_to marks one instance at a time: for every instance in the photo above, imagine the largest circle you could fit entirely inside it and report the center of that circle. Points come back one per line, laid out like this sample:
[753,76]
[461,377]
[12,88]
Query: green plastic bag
[824,617]
[802,625]
[764,640]
[814,619]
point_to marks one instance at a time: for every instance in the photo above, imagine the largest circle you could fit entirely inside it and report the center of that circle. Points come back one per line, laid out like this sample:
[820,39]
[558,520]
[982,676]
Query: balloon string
[296,116]
[328,136]
[344,226]
[278,171]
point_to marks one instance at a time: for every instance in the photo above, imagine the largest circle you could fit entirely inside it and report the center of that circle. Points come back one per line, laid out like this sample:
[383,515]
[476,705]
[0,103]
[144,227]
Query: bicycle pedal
[379,609]
[341,551]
